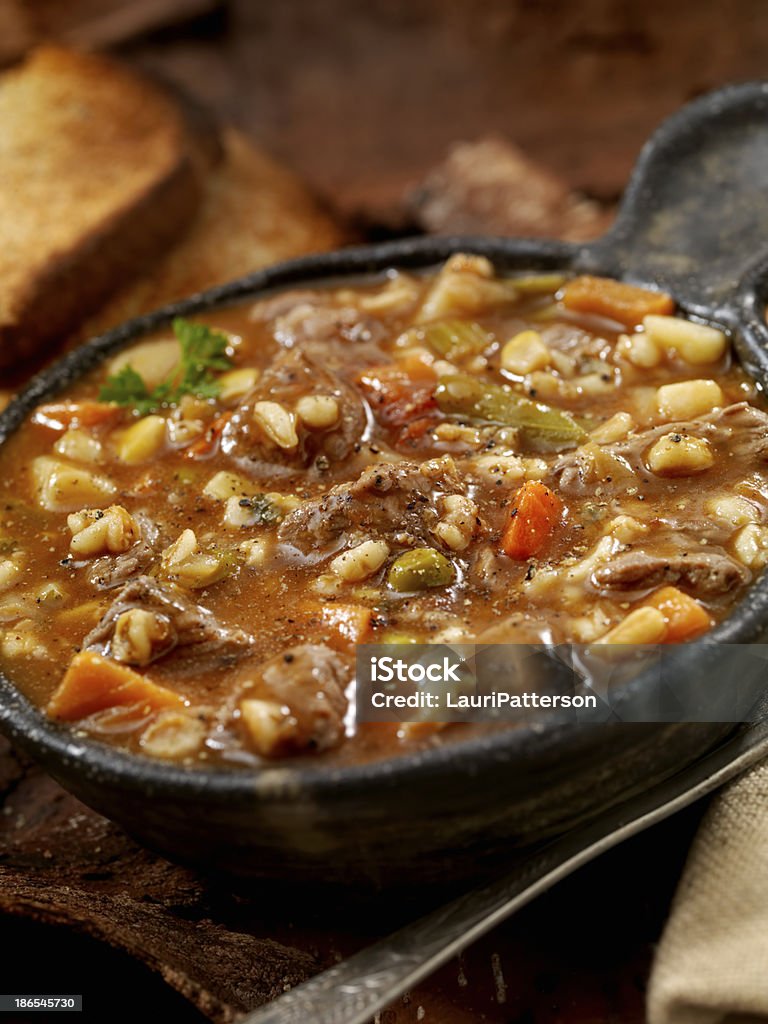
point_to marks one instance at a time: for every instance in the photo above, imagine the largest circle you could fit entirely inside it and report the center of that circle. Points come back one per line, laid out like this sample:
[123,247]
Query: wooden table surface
[362,100]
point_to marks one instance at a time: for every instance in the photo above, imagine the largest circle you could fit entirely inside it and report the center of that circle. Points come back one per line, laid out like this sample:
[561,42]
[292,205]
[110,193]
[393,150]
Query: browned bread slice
[100,171]
[255,212]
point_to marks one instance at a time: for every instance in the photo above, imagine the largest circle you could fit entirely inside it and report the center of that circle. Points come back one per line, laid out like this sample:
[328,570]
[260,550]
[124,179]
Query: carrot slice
[93,683]
[625,303]
[61,415]
[685,617]
[535,513]
[209,442]
[351,623]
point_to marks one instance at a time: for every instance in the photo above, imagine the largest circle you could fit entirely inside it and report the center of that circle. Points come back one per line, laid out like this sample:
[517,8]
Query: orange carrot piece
[535,513]
[351,623]
[209,442]
[93,683]
[625,303]
[685,617]
[61,415]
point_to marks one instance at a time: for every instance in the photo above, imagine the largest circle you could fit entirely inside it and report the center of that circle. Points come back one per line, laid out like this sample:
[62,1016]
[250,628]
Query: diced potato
[62,487]
[224,485]
[173,735]
[277,423]
[524,353]
[10,570]
[267,724]
[142,440]
[93,683]
[591,384]
[140,635]
[236,515]
[547,386]
[680,455]
[236,383]
[318,412]
[734,509]
[640,349]
[688,398]
[154,361]
[284,502]
[751,546]
[642,626]
[97,532]
[361,561]
[695,343]
[78,445]
[614,429]
[255,552]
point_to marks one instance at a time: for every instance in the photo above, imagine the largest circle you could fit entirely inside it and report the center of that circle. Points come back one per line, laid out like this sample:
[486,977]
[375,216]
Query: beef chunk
[740,429]
[309,681]
[174,627]
[387,499]
[705,573]
[291,376]
[113,570]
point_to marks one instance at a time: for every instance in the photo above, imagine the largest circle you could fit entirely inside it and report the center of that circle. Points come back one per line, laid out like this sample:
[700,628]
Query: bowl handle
[694,218]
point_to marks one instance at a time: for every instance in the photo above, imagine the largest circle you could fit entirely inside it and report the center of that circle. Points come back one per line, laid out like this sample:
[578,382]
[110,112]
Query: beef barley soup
[195,537]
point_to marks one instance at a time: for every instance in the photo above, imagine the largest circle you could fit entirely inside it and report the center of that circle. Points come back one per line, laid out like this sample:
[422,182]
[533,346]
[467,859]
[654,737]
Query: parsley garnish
[202,351]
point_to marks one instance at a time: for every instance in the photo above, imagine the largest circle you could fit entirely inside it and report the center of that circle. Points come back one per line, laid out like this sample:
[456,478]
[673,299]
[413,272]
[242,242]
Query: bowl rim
[104,764]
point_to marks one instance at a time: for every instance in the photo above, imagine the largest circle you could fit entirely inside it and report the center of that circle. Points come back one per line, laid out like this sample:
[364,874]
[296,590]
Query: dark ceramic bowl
[694,221]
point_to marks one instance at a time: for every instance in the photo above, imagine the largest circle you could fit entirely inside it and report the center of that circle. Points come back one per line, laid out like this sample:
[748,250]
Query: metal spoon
[354,990]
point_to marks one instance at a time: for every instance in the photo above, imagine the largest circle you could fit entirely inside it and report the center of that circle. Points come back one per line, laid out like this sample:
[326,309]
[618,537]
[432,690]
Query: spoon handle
[353,991]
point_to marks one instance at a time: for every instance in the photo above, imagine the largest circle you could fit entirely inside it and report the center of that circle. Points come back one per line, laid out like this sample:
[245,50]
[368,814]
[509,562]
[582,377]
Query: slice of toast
[255,213]
[100,172]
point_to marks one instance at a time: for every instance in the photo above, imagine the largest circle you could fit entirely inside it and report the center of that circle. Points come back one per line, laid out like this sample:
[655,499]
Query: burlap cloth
[711,966]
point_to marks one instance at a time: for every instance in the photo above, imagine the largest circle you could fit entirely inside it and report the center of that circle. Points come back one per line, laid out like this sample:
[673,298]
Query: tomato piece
[625,303]
[413,432]
[209,442]
[535,513]
[397,397]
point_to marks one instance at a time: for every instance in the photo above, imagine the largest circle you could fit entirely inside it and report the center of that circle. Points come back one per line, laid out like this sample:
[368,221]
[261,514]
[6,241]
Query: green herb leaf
[203,350]
[126,387]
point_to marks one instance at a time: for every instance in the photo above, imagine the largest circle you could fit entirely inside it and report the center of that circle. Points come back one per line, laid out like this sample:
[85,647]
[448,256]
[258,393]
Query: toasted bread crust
[100,175]
[255,212]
